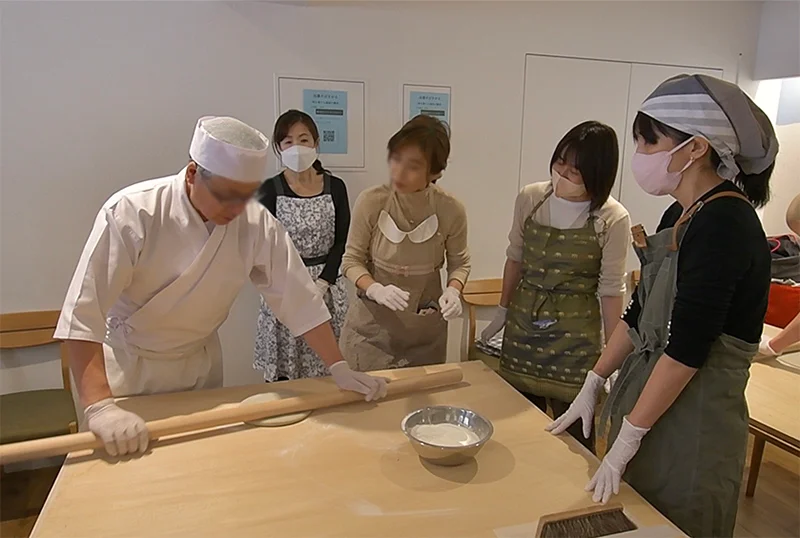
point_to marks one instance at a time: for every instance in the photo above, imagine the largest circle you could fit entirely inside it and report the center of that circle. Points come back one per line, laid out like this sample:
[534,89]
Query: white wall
[785,181]
[98,95]
[778,48]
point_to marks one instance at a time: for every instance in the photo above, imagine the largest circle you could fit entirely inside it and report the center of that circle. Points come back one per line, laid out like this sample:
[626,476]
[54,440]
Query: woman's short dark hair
[754,186]
[430,135]
[592,148]
[285,122]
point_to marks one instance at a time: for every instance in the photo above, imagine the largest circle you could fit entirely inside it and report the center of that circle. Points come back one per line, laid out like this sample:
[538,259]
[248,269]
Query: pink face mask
[564,188]
[652,173]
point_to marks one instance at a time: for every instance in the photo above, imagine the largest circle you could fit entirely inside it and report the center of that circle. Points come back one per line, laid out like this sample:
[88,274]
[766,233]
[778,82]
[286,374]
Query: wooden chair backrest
[32,329]
[635,276]
[481,293]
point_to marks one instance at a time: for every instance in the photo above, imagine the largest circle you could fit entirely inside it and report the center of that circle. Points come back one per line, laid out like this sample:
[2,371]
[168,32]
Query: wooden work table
[347,471]
[773,399]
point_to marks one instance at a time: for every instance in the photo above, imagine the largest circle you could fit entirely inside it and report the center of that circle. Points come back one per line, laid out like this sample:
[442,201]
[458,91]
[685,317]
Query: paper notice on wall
[427,100]
[436,104]
[328,108]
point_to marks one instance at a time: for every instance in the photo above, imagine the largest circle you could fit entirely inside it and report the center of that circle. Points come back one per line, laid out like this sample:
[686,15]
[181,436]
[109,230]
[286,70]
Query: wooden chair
[635,276]
[35,414]
[481,293]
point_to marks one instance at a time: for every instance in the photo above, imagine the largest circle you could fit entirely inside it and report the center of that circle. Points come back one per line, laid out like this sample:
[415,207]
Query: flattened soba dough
[283,420]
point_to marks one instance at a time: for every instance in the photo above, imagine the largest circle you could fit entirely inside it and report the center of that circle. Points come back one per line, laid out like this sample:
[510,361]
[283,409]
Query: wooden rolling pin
[64,444]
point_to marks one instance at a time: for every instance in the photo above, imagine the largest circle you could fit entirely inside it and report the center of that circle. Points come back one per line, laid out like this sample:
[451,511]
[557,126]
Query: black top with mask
[723,278]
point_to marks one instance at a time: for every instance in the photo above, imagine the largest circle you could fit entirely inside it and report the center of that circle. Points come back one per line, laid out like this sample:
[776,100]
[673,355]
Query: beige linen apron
[373,336]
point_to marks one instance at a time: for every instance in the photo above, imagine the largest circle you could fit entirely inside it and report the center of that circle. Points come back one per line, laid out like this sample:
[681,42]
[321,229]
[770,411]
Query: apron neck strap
[279,191]
[697,206]
[427,193]
[541,202]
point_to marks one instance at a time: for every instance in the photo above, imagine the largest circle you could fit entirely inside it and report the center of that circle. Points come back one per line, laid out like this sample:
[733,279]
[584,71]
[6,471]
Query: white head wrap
[229,148]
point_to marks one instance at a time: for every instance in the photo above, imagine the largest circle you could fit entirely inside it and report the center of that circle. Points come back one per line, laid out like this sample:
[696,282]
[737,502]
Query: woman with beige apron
[564,276]
[400,235]
[678,412]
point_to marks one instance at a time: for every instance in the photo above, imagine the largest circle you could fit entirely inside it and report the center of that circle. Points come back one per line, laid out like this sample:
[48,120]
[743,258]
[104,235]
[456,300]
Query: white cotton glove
[765,349]
[497,323]
[607,478]
[374,388]
[450,303]
[582,407]
[322,285]
[121,431]
[389,296]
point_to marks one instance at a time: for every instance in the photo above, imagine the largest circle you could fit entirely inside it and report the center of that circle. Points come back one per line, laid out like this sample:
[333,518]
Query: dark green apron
[553,334]
[689,466]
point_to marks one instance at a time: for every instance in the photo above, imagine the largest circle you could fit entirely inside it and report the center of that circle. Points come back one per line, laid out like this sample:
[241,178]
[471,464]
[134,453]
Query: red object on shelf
[784,304]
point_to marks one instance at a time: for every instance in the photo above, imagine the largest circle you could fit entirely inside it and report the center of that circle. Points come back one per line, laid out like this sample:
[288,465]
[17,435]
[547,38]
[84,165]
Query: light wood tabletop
[773,399]
[347,471]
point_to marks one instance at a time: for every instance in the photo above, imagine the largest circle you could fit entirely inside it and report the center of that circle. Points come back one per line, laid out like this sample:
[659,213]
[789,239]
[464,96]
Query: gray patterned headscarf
[723,114]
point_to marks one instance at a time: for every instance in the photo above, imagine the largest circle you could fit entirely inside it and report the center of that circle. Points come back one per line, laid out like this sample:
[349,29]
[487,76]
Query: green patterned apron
[689,466]
[553,330]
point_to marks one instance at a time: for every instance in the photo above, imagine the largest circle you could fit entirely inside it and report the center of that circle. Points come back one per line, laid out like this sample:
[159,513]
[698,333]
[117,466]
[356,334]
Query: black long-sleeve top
[268,196]
[723,278]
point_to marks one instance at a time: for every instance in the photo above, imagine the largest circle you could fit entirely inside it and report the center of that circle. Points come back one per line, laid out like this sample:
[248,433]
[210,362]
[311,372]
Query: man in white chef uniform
[158,276]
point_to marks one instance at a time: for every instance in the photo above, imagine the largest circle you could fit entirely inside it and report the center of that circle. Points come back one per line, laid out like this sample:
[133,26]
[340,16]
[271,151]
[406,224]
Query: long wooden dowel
[64,444]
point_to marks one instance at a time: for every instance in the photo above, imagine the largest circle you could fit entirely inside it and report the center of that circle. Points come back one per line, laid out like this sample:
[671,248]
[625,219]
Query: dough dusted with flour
[448,435]
[282,420]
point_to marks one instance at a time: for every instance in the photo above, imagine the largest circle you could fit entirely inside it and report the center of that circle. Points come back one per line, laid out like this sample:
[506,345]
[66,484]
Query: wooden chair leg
[755,463]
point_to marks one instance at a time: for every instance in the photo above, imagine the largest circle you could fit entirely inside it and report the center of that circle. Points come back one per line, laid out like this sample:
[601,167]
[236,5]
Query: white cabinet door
[561,93]
[644,208]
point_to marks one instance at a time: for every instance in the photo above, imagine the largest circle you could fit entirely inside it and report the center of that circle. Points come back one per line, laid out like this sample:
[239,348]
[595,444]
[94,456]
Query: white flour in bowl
[448,435]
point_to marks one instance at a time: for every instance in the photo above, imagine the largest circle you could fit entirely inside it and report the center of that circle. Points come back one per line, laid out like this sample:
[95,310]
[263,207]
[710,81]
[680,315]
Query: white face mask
[298,158]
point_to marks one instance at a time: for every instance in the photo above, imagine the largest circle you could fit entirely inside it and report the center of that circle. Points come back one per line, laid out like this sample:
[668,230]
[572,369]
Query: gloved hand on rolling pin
[582,407]
[347,379]
[607,478]
[497,323]
[450,303]
[121,431]
[389,296]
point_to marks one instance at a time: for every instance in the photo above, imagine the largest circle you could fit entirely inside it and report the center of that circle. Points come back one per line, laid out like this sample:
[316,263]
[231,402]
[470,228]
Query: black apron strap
[279,190]
[317,260]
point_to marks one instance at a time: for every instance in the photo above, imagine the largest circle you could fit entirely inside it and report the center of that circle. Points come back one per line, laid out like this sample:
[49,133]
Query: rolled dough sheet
[282,420]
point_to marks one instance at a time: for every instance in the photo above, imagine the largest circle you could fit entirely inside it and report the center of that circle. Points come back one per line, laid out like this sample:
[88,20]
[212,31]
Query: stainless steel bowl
[442,414]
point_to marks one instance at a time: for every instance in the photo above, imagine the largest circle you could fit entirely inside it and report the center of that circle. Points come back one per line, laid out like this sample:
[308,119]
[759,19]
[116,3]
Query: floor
[22,495]
[773,512]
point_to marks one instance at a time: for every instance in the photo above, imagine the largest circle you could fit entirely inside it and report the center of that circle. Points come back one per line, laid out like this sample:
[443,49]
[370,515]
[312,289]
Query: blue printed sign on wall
[436,104]
[329,110]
